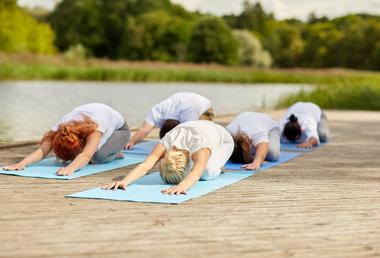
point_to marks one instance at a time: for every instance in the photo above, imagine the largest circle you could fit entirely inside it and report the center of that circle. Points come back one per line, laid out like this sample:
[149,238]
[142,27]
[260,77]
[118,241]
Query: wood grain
[323,204]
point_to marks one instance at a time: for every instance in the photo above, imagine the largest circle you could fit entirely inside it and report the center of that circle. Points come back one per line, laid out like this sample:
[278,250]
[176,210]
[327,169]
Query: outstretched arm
[145,129]
[35,156]
[260,155]
[84,157]
[141,170]
[200,159]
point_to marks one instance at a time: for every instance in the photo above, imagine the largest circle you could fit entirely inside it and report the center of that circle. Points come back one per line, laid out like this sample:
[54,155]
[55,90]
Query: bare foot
[119,155]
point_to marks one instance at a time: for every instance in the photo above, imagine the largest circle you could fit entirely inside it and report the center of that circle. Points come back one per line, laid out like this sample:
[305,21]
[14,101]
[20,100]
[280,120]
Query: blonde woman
[191,151]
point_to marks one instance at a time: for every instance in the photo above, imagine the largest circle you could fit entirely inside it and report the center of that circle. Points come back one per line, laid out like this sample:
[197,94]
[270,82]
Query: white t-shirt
[255,125]
[181,106]
[107,119]
[308,115]
[195,135]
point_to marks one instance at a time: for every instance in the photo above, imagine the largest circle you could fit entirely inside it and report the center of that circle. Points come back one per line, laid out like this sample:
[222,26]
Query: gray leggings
[274,145]
[113,145]
[323,129]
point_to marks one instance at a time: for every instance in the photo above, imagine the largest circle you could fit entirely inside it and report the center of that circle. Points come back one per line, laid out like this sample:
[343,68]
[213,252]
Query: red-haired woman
[93,133]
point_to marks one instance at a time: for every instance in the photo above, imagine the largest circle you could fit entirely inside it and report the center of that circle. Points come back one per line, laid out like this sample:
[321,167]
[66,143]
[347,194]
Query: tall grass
[340,89]
[340,96]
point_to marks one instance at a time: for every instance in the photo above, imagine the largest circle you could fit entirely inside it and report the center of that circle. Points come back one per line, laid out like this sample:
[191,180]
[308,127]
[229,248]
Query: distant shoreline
[336,88]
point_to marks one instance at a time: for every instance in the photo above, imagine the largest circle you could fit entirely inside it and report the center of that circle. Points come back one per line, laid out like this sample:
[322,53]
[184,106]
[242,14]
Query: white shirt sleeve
[259,138]
[188,114]
[232,128]
[150,119]
[311,132]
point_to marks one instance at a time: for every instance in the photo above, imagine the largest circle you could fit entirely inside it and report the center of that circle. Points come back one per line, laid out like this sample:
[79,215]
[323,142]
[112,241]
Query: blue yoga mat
[293,147]
[142,148]
[148,189]
[48,167]
[285,156]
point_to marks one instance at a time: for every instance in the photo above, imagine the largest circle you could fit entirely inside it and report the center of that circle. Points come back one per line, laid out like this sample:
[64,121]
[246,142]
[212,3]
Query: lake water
[29,108]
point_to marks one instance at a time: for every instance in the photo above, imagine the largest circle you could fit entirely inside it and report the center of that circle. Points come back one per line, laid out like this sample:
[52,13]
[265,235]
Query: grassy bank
[336,88]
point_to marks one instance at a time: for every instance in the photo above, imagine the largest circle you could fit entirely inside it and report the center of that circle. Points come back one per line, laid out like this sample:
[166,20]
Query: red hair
[70,138]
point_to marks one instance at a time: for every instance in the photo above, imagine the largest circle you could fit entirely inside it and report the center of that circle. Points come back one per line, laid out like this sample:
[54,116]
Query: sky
[282,9]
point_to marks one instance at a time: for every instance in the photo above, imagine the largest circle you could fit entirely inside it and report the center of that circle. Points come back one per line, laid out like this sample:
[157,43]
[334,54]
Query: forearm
[261,152]
[138,136]
[194,175]
[79,162]
[136,173]
[33,157]
[190,180]
[313,141]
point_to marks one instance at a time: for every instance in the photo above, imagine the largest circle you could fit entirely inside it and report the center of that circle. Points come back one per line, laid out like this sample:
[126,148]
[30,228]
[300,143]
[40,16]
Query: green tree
[20,32]
[321,45]
[79,22]
[285,44]
[212,41]
[254,18]
[251,51]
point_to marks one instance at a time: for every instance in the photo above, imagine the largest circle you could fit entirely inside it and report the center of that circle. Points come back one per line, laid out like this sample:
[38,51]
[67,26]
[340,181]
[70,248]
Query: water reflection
[30,108]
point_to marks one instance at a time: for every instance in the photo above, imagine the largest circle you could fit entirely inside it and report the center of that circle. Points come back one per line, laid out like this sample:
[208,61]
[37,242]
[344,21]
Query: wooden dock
[323,204]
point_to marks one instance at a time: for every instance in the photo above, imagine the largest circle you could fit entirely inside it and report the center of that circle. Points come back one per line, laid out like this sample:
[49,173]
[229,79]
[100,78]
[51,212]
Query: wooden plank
[323,204]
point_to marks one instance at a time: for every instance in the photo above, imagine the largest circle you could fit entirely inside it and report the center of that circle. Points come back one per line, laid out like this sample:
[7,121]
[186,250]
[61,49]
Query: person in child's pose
[193,150]
[256,139]
[304,123]
[93,133]
[178,108]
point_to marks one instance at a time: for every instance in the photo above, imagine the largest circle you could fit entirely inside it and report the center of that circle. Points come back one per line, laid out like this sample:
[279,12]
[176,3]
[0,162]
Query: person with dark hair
[256,139]
[178,108]
[304,123]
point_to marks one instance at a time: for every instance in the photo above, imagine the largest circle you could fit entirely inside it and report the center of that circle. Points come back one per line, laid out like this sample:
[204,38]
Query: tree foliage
[161,30]
[213,41]
[20,32]
[251,51]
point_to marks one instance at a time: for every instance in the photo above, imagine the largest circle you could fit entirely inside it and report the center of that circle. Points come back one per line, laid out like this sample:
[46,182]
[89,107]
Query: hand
[178,189]
[115,185]
[252,166]
[17,166]
[305,145]
[129,146]
[64,172]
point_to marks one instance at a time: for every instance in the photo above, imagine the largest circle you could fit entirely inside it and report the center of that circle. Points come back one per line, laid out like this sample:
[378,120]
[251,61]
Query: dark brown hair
[168,125]
[242,149]
[292,128]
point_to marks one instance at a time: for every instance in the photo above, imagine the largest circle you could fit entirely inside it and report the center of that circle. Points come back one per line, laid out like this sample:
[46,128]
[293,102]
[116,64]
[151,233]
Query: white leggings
[218,159]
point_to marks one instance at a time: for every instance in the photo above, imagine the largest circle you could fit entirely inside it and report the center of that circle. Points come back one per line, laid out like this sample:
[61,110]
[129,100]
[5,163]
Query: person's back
[255,125]
[176,109]
[181,106]
[305,111]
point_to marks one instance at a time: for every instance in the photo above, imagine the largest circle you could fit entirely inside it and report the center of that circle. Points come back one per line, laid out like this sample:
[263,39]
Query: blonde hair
[174,166]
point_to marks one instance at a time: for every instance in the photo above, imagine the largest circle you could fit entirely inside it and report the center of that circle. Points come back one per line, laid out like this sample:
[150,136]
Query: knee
[323,137]
[99,157]
[211,172]
[323,134]
[273,154]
